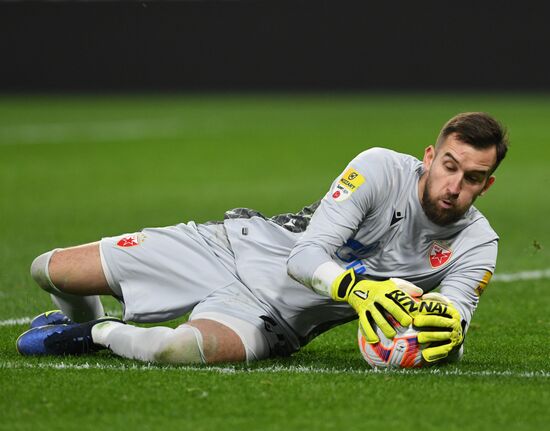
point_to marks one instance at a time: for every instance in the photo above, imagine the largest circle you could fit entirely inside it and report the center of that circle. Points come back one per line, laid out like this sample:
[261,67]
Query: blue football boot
[72,339]
[53,317]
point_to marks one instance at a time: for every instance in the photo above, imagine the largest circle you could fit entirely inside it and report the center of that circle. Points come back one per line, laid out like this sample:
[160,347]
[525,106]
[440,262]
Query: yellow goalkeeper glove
[437,313]
[371,298]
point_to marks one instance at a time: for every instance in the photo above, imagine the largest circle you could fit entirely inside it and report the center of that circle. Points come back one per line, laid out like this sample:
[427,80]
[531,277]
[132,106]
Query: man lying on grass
[391,228]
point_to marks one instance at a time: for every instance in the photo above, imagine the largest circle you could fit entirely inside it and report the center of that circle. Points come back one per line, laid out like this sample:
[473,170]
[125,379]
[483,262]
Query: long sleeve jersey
[371,220]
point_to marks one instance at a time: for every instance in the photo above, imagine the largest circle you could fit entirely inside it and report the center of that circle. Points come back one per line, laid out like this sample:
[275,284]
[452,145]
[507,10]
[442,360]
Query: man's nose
[455,185]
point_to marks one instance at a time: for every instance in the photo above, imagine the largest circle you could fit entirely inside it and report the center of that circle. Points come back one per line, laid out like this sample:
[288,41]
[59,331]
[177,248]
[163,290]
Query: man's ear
[429,156]
[488,185]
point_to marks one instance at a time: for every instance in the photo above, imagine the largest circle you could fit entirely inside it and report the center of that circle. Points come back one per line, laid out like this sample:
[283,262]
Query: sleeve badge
[350,181]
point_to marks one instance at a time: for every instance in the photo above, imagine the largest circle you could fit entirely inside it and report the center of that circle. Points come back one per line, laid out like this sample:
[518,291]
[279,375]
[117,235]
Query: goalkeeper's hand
[371,299]
[436,311]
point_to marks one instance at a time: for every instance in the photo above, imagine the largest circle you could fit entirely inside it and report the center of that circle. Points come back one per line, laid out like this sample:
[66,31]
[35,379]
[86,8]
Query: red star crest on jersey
[130,240]
[439,255]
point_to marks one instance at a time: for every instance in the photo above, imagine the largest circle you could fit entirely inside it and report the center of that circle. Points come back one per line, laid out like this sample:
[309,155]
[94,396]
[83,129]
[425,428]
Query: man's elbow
[293,268]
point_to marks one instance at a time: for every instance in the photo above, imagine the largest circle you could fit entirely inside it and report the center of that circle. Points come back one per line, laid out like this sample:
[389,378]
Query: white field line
[500,278]
[13,322]
[520,276]
[137,128]
[26,320]
[275,369]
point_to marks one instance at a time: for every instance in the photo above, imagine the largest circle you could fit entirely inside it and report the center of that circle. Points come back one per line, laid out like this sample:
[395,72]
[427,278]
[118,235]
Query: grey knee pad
[40,272]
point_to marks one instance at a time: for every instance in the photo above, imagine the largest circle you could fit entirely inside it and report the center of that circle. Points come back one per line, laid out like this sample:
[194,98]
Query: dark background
[275,45]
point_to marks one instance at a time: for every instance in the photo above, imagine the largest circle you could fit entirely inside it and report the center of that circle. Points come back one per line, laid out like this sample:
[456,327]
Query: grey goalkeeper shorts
[161,274]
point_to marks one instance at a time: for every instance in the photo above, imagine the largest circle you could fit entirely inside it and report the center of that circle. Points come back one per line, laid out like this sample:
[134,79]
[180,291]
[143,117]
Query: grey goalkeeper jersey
[370,220]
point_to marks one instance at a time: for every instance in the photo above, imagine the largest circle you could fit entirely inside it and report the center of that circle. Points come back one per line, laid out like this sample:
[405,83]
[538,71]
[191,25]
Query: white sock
[78,308]
[182,345]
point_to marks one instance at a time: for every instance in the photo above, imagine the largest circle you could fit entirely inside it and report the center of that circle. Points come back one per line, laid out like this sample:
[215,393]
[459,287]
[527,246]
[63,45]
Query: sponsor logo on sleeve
[340,193]
[483,283]
[349,182]
[131,240]
[439,254]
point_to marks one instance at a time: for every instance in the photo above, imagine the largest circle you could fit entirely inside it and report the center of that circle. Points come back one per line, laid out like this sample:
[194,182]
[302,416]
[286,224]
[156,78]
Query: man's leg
[71,275]
[199,341]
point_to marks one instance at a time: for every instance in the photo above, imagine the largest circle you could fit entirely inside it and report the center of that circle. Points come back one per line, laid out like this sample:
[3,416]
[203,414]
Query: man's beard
[437,215]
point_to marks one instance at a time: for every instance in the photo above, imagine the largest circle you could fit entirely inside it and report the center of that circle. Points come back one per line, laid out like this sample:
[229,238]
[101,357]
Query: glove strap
[343,284]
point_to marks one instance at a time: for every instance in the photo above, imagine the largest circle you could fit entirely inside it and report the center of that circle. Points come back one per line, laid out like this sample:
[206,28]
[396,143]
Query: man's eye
[473,179]
[450,167]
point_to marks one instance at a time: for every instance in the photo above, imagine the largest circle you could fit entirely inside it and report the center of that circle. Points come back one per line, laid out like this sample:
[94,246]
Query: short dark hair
[479,130]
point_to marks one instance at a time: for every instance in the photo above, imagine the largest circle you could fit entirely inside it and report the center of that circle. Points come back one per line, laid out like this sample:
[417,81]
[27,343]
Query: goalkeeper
[390,228]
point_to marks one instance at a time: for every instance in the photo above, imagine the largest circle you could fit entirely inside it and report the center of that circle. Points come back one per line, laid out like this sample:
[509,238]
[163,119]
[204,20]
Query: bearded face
[442,214]
[455,175]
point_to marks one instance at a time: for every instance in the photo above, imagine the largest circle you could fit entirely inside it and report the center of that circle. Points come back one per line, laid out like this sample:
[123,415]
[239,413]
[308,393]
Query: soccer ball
[403,351]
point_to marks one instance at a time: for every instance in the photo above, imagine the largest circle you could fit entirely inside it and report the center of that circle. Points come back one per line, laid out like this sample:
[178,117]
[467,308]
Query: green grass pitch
[74,169]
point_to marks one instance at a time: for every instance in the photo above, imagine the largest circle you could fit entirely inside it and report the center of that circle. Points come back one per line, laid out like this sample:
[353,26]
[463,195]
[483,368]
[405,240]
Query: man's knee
[74,270]
[40,272]
[220,342]
[184,345]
